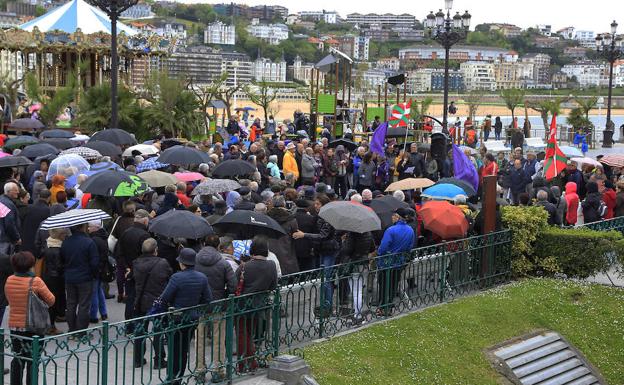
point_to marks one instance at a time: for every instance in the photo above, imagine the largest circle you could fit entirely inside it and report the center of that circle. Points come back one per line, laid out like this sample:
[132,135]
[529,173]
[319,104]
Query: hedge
[578,252]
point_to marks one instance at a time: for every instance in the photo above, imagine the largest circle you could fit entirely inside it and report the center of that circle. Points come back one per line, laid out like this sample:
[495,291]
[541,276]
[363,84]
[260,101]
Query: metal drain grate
[544,359]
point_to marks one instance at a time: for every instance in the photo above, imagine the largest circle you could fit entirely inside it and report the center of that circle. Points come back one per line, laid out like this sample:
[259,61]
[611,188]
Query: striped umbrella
[151,164]
[73,218]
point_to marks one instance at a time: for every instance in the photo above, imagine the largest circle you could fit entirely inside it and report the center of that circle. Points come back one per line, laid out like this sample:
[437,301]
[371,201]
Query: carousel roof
[73,15]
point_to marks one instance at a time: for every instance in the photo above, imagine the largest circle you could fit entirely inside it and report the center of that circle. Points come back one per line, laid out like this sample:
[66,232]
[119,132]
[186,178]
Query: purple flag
[464,169]
[379,138]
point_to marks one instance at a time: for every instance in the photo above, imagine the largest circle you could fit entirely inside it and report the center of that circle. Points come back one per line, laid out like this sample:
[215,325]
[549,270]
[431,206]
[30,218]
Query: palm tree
[546,107]
[513,97]
[8,89]
[419,109]
[94,110]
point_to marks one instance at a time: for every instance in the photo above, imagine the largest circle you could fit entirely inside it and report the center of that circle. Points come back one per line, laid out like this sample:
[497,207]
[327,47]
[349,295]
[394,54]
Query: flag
[554,161]
[379,139]
[400,115]
[463,169]
[4,211]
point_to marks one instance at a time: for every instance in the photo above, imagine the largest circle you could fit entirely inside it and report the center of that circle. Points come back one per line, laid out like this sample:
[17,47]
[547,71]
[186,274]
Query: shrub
[578,253]
[525,223]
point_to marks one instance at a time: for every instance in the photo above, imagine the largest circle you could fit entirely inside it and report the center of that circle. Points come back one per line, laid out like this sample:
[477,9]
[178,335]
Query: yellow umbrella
[410,184]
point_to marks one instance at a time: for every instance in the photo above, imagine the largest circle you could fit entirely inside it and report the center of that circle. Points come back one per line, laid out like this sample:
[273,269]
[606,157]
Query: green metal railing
[607,225]
[233,336]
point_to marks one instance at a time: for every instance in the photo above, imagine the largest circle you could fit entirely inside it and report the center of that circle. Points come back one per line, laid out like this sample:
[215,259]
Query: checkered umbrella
[151,164]
[85,152]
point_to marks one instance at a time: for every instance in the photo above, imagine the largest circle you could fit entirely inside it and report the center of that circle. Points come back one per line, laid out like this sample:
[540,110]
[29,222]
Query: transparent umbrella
[68,165]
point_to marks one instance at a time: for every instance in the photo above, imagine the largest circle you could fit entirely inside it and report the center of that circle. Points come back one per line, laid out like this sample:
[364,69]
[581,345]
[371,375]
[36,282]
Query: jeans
[181,345]
[98,301]
[497,134]
[78,305]
[328,261]
[486,135]
[22,351]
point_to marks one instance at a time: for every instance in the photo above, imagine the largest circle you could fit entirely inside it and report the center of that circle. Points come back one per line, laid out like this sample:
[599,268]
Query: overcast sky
[594,15]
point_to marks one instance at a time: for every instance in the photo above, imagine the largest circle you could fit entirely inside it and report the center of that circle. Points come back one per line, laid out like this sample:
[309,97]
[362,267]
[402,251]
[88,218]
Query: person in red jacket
[490,167]
[609,199]
[572,199]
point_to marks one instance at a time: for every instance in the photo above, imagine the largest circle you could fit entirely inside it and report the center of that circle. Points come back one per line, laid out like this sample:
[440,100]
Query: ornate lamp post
[609,46]
[447,31]
[113,8]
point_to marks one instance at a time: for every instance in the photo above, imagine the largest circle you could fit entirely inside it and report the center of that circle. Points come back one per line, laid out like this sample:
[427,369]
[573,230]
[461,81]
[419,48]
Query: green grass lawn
[446,344]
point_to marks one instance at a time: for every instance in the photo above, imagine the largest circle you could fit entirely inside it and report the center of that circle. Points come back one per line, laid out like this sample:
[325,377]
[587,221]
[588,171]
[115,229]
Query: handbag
[112,240]
[37,315]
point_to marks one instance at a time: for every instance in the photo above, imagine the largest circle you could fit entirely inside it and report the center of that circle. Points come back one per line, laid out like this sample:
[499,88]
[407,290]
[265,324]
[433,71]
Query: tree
[226,94]
[420,109]
[205,95]
[8,89]
[94,110]
[545,107]
[262,94]
[586,104]
[513,97]
[474,100]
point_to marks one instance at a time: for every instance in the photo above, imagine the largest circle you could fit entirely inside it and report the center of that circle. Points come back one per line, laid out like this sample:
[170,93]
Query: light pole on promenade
[609,46]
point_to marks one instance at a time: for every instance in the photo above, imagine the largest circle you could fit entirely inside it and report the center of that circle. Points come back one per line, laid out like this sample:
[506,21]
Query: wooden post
[385,101]
[349,80]
[336,95]
[489,217]
[378,95]
[405,91]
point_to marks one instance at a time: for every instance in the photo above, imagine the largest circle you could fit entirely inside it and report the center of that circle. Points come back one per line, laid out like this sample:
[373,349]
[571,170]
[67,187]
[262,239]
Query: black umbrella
[40,149]
[56,133]
[467,187]
[26,124]
[396,132]
[348,144]
[384,211]
[392,201]
[232,168]
[115,136]
[14,161]
[168,143]
[60,143]
[105,148]
[181,155]
[349,216]
[180,224]
[245,224]
[114,183]
[20,141]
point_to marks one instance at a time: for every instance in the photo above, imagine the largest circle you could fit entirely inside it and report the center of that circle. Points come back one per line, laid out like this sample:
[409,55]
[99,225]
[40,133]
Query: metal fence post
[277,303]
[229,338]
[443,268]
[105,347]
[2,353]
[36,356]
[170,343]
[322,301]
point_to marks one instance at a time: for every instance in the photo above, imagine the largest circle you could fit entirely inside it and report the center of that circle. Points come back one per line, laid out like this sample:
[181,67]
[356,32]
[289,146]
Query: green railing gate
[239,334]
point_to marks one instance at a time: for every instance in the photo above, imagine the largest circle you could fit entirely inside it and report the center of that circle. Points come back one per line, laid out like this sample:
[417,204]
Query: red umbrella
[444,219]
[188,176]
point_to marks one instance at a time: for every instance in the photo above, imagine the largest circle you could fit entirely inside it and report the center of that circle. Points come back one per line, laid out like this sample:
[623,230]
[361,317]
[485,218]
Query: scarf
[53,242]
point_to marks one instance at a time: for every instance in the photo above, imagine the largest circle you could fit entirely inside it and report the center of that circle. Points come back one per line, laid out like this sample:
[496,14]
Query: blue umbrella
[150,164]
[94,169]
[443,191]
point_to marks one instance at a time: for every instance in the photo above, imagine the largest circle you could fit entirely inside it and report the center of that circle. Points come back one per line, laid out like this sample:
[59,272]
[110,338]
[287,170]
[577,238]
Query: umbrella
[39,149]
[424,147]
[114,183]
[232,168]
[249,223]
[471,150]
[348,144]
[60,143]
[56,133]
[349,216]
[80,138]
[3,154]
[443,191]
[158,178]
[151,164]
[182,155]
[188,176]
[615,160]
[467,187]
[571,152]
[104,148]
[19,141]
[586,160]
[85,152]
[94,169]
[215,186]
[410,184]
[26,124]
[73,218]
[444,220]
[114,135]
[392,201]
[168,143]
[384,211]
[396,132]
[14,161]
[67,165]
[245,109]
[180,224]
[143,149]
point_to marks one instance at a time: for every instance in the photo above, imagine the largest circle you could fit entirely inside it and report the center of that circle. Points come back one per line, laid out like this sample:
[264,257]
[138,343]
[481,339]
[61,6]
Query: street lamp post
[235,66]
[114,8]
[609,46]
[447,31]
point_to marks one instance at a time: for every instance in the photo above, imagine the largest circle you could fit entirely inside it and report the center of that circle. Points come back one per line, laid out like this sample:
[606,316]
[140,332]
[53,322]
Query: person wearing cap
[397,240]
[186,288]
[289,161]
[245,203]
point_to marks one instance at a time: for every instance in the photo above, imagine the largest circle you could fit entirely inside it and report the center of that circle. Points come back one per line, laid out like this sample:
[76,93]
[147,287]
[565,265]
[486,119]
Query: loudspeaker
[439,146]
[396,79]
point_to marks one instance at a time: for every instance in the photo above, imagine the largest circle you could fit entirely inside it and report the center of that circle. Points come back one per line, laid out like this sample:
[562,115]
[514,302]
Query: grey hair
[181,186]
[356,198]
[460,200]
[260,208]
[542,195]
[149,246]
[225,243]
[170,188]
[400,195]
[10,186]
[273,159]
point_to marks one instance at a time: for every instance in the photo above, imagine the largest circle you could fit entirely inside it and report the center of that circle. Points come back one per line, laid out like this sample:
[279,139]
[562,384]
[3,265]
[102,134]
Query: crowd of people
[71,268]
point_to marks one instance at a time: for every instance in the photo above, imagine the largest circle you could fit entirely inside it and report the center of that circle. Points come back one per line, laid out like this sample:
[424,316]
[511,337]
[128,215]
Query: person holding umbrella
[397,241]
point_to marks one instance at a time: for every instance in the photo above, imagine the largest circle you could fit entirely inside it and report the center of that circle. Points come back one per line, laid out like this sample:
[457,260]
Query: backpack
[471,137]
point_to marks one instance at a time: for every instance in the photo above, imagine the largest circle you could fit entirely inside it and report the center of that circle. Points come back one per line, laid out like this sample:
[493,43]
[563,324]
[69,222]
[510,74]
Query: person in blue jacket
[397,241]
[186,288]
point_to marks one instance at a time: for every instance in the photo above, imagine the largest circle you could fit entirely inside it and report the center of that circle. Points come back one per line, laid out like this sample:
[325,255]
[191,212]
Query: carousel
[75,38]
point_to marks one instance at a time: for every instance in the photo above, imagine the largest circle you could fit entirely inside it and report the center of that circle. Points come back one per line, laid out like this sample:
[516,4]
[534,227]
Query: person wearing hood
[222,281]
[284,247]
[592,204]
[58,184]
[220,208]
[561,205]
[170,202]
[233,198]
[609,198]
[572,174]
[572,200]
[273,168]
[151,274]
